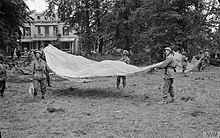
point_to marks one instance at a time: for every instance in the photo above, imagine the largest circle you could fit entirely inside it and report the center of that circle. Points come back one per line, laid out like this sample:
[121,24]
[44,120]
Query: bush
[215,62]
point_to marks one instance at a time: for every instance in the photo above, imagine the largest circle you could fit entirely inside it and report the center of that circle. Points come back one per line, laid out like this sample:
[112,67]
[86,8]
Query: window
[55,30]
[39,31]
[65,30]
[38,17]
[46,31]
[45,18]
[27,31]
[66,45]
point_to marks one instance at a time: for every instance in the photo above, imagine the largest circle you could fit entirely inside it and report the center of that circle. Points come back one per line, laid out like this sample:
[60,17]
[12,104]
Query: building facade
[48,30]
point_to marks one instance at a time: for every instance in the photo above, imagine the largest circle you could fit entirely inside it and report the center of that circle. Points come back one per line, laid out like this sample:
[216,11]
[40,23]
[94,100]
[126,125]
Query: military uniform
[184,62]
[125,59]
[201,56]
[169,65]
[207,58]
[39,68]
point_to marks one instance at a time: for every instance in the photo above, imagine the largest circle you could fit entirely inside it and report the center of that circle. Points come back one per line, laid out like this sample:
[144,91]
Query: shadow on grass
[96,93]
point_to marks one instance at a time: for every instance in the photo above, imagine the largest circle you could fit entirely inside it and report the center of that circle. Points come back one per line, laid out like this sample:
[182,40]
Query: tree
[141,25]
[87,15]
[13,14]
[175,23]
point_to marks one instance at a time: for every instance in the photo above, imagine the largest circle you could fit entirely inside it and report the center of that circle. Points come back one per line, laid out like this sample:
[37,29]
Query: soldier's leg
[166,88]
[43,85]
[199,66]
[171,90]
[208,62]
[36,87]
[184,71]
[118,81]
[2,86]
[124,81]
[48,78]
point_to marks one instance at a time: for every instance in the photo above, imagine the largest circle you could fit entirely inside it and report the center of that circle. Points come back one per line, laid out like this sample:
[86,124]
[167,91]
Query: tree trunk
[88,45]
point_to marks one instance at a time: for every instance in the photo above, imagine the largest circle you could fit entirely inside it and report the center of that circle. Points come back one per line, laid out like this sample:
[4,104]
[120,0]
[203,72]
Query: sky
[38,5]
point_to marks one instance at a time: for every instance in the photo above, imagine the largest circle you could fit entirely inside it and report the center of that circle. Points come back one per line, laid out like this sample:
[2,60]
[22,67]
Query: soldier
[184,63]
[207,57]
[39,68]
[169,65]
[201,56]
[125,59]
[3,76]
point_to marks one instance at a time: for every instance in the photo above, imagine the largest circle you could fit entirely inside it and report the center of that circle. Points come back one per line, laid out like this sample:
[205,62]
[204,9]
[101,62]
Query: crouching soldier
[3,76]
[169,65]
[39,68]
[125,59]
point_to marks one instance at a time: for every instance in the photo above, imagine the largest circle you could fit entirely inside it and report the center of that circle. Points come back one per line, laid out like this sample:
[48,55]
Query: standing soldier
[39,68]
[3,76]
[207,57]
[184,63]
[201,56]
[169,65]
[125,59]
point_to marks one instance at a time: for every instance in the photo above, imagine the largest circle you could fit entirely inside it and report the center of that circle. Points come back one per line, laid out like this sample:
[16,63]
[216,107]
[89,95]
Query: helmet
[167,48]
[125,52]
[184,53]
[37,51]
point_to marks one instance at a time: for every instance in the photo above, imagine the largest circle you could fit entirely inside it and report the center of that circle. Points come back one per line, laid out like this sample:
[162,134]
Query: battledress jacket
[169,65]
[39,68]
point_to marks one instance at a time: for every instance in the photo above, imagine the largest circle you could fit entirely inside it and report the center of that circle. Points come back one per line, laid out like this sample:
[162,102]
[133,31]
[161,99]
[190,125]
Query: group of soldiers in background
[204,59]
[203,56]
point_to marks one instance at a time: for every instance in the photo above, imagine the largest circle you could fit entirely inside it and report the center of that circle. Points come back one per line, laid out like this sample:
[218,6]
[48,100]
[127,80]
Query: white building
[48,30]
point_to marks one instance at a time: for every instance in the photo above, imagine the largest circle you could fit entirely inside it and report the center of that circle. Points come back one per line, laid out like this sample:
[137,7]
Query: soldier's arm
[121,59]
[48,68]
[165,63]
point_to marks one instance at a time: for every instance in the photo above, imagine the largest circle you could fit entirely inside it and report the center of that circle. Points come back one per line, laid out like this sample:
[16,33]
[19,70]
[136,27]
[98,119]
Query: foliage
[144,26]
[13,14]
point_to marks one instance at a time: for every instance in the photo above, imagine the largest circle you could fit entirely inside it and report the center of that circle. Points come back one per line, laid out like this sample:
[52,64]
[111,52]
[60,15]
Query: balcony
[45,35]
[26,37]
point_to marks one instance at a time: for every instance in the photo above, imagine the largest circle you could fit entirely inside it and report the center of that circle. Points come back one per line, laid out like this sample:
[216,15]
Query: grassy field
[97,109]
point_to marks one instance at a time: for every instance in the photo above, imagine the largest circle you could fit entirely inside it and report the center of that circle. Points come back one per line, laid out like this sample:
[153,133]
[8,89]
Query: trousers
[119,80]
[168,88]
[40,85]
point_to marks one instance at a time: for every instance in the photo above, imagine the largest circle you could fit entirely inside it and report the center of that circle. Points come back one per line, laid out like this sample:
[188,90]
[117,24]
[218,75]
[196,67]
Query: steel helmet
[37,51]
[168,48]
[184,53]
[125,52]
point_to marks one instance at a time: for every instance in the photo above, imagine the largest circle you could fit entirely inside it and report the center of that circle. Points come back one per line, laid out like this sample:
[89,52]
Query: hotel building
[48,30]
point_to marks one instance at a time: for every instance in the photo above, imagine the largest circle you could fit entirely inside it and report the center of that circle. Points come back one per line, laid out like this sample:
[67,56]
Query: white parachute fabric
[72,66]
